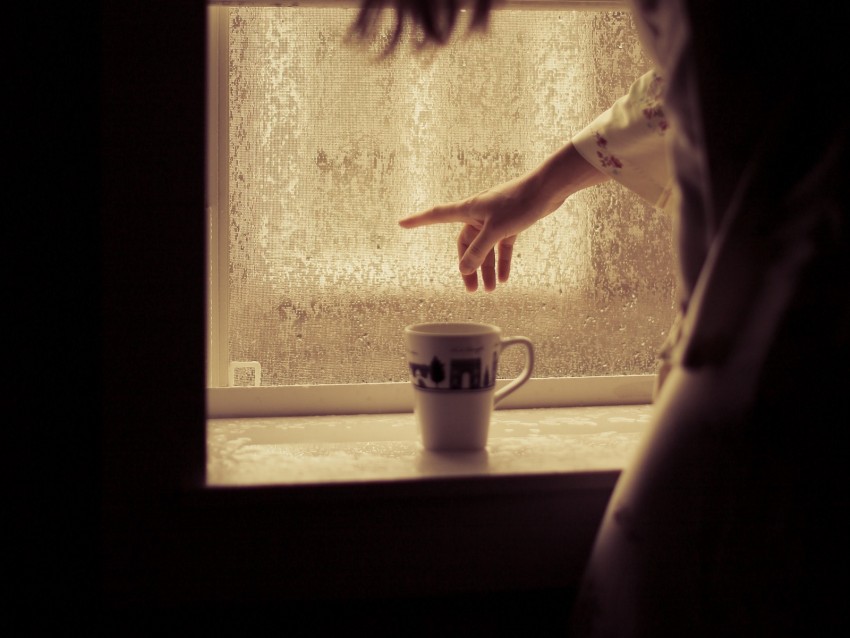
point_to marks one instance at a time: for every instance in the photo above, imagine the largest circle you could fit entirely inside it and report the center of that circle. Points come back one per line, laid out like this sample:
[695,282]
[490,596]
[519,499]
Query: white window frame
[225,401]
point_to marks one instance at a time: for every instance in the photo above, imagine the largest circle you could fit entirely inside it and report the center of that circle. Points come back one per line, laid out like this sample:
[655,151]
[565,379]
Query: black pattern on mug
[464,374]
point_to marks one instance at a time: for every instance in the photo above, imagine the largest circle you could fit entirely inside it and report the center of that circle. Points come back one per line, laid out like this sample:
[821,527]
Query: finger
[488,271]
[470,280]
[478,248]
[436,215]
[506,251]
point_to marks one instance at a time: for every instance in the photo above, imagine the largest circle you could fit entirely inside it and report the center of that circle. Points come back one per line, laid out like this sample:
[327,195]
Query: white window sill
[590,443]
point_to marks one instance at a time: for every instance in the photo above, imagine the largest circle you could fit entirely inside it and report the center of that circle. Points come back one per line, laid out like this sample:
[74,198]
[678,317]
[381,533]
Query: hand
[493,218]
[491,221]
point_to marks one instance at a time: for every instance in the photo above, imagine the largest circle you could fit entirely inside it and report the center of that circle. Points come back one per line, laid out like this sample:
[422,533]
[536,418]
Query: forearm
[561,175]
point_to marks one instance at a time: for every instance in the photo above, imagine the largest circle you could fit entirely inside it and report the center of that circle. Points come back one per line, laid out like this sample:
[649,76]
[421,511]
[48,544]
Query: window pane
[330,145]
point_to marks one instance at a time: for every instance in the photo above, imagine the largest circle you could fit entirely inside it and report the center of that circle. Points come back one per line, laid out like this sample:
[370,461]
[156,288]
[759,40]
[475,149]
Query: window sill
[587,443]
[519,517]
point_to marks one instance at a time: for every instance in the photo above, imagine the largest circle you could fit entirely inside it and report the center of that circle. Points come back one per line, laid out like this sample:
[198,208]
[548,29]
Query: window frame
[224,400]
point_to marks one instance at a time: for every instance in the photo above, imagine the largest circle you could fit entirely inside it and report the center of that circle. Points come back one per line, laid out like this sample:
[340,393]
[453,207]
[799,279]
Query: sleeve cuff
[627,142]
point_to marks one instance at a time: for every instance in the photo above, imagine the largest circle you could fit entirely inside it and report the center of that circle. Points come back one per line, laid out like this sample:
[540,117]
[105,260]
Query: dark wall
[151,151]
[103,240]
[152,218]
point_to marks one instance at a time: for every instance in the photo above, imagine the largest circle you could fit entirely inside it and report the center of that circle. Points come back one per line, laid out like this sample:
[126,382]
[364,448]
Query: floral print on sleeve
[606,160]
[627,142]
[651,104]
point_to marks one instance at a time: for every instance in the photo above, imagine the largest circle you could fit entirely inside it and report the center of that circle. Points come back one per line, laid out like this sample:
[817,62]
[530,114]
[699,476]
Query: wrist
[559,176]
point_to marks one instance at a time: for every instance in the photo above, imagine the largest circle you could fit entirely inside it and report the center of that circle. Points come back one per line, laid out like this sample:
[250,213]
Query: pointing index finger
[436,215]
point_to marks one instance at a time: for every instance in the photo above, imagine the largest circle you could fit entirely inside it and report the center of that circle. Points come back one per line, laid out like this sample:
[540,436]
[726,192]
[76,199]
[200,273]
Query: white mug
[453,369]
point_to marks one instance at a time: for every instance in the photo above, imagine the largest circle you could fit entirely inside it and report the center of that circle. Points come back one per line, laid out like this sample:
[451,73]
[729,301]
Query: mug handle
[525,375]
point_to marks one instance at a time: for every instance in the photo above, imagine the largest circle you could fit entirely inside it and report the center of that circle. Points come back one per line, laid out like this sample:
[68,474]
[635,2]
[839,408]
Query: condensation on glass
[330,144]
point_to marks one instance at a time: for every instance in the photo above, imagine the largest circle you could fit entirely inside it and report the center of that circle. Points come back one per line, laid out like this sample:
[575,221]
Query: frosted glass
[329,145]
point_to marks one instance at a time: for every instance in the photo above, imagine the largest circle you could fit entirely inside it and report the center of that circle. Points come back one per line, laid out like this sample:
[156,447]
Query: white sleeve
[627,142]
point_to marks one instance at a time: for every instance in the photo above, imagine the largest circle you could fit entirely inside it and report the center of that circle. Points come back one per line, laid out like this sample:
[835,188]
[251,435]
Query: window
[318,147]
